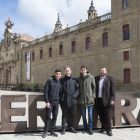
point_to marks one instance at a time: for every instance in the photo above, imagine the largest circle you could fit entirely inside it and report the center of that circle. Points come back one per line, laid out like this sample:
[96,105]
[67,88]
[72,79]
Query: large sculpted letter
[7,112]
[125,110]
[34,112]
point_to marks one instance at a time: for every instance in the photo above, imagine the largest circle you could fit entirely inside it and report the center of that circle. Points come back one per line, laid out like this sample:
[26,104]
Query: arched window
[18,56]
[126,32]
[105,39]
[50,52]
[41,54]
[33,56]
[73,47]
[127,76]
[25,57]
[61,49]
[89,16]
[88,43]
[125,3]
[7,41]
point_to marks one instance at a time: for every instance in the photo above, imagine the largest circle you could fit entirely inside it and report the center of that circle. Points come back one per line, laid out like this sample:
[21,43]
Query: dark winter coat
[70,91]
[53,90]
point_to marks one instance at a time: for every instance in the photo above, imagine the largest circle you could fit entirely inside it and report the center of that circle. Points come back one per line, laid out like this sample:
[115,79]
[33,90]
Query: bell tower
[92,13]
[58,25]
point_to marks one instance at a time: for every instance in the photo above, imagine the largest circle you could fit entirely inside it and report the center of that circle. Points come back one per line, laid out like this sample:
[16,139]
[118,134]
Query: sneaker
[102,131]
[53,134]
[90,132]
[72,130]
[45,134]
[63,131]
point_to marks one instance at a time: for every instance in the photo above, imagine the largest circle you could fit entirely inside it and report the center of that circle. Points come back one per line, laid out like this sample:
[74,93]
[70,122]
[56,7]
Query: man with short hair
[70,92]
[52,94]
[105,98]
[87,97]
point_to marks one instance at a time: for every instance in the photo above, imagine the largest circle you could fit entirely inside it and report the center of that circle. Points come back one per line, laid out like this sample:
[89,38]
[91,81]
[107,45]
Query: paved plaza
[118,133]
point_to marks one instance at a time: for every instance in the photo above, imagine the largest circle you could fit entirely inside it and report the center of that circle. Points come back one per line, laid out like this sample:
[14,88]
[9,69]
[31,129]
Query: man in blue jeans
[86,97]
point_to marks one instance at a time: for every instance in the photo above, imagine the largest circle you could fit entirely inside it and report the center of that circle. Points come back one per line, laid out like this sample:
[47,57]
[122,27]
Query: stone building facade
[111,40]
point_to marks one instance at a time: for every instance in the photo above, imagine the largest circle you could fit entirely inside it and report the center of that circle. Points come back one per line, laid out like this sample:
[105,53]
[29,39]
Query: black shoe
[109,133]
[102,131]
[72,130]
[53,134]
[45,134]
[90,131]
[63,131]
[85,131]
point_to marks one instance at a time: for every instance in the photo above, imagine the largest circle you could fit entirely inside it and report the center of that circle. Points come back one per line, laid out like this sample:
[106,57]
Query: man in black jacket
[70,92]
[105,98]
[52,93]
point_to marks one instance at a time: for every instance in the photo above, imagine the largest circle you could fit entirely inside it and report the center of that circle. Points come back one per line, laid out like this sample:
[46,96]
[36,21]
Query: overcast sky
[36,17]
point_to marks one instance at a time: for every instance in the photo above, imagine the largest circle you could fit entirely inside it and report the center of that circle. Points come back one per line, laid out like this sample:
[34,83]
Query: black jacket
[70,91]
[53,90]
[108,89]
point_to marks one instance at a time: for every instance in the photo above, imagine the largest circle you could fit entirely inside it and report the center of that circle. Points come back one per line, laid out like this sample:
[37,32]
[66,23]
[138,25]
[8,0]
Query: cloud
[44,12]
[36,17]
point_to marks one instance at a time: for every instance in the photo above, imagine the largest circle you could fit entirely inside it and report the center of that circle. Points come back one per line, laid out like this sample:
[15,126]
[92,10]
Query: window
[6,54]
[25,58]
[125,3]
[61,50]
[126,33]
[50,52]
[127,76]
[7,41]
[73,47]
[18,56]
[126,55]
[88,43]
[33,56]
[105,39]
[89,16]
[41,54]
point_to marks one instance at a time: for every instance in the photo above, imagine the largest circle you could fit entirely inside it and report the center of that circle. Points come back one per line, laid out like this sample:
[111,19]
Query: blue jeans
[90,117]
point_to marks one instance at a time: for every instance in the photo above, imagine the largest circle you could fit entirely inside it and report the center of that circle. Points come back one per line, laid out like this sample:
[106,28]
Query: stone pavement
[118,133]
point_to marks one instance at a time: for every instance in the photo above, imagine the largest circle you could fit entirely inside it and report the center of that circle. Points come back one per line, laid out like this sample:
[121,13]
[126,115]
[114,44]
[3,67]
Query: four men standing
[100,91]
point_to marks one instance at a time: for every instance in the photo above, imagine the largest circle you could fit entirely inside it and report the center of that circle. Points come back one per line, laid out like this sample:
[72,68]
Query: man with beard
[70,92]
[105,98]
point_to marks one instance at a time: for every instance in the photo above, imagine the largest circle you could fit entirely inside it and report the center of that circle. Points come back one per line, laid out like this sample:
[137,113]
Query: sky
[36,17]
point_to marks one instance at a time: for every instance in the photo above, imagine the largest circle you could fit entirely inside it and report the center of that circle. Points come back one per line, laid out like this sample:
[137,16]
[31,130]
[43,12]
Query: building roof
[27,37]
[92,7]
[58,20]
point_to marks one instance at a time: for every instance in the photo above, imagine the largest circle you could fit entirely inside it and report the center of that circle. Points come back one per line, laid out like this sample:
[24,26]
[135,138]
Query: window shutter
[73,47]
[126,55]
[127,76]
[88,43]
[61,49]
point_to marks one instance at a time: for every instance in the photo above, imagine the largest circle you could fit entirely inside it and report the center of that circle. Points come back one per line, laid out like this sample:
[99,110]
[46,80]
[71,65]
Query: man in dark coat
[70,92]
[52,94]
[105,98]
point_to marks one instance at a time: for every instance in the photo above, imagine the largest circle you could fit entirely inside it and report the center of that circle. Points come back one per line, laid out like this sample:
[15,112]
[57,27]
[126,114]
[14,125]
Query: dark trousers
[71,116]
[54,111]
[104,114]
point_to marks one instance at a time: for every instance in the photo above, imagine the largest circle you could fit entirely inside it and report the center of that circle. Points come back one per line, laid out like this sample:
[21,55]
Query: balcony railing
[73,28]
